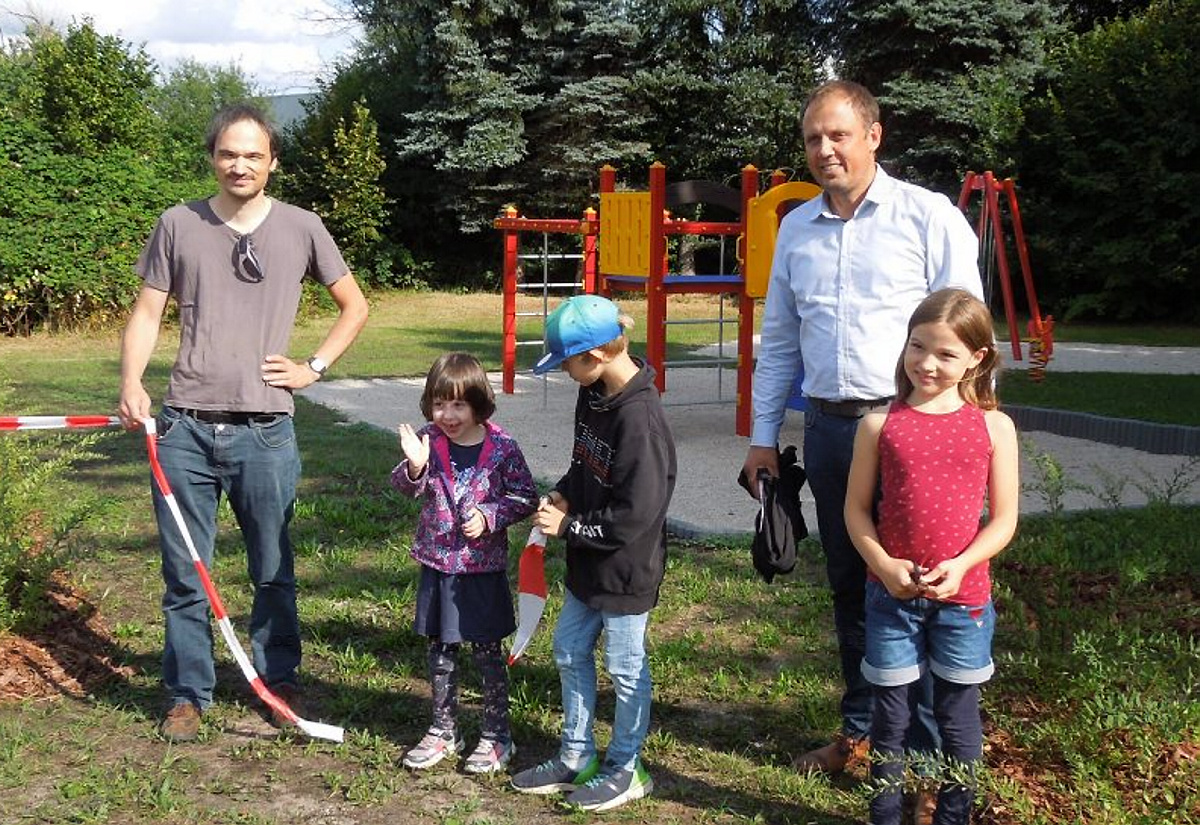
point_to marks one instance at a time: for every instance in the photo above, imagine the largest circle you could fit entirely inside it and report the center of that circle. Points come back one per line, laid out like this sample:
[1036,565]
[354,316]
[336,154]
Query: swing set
[994,257]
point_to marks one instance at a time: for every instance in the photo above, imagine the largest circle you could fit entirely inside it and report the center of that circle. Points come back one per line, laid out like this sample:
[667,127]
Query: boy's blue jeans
[628,666]
[257,467]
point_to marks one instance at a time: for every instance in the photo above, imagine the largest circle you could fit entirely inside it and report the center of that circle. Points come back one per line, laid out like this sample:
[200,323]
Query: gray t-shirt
[230,318]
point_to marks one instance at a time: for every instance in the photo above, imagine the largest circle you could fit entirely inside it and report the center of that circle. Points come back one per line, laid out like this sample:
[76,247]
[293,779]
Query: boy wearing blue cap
[610,509]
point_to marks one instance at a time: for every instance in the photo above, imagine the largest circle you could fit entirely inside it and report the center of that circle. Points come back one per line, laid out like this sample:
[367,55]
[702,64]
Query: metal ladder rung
[539,285]
[685,321]
[703,362]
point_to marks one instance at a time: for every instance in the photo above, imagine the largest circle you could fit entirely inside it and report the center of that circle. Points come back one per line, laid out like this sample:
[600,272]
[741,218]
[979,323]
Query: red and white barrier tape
[317,730]
[531,592]
[57,422]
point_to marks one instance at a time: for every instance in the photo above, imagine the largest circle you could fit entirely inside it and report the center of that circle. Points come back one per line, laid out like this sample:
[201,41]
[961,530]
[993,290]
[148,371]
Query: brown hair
[861,100]
[455,376]
[970,320]
[236,113]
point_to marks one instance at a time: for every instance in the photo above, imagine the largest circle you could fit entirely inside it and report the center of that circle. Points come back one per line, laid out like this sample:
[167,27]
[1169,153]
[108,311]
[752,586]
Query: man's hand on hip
[281,371]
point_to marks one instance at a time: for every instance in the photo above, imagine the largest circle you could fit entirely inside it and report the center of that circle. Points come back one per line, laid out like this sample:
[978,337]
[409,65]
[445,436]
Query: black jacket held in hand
[618,487]
[779,525]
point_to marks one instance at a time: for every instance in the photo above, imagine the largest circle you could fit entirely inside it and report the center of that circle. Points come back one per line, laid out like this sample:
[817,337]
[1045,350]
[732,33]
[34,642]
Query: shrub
[1110,159]
[35,520]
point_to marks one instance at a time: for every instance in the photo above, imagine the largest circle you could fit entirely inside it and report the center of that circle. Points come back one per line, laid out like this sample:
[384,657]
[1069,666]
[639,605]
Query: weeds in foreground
[35,524]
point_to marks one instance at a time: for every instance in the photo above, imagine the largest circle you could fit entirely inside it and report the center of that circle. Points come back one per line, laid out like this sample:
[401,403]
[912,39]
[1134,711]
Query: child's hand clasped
[901,578]
[475,525]
[944,580]
[551,514]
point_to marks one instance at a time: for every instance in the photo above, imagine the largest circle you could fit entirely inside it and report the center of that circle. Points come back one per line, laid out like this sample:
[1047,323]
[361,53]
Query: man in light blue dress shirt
[849,269]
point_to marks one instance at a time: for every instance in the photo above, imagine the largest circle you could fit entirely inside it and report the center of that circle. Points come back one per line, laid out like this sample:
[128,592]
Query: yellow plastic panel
[762,228]
[625,233]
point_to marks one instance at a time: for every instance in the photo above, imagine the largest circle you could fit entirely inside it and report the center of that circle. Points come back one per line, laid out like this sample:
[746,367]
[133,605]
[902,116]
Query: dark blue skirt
[476,607]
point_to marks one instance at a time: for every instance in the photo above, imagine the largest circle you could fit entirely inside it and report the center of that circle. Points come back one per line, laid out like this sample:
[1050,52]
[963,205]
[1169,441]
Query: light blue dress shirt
[842,291]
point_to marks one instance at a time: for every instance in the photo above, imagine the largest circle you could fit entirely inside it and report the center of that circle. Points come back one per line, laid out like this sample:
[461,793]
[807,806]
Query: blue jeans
[628,666]
[257,467]
[828,451]
[906,637]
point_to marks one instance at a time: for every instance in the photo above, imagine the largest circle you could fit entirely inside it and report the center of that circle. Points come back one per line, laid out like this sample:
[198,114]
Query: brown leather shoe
[920,807]
[834,757]
[182,723]
[291,697]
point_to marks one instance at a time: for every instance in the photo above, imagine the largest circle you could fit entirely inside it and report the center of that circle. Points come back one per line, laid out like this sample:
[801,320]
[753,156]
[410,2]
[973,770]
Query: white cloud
[281,45]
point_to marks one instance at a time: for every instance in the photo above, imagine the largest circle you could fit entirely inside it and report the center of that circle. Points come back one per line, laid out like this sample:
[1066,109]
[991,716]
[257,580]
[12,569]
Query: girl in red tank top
[941,457]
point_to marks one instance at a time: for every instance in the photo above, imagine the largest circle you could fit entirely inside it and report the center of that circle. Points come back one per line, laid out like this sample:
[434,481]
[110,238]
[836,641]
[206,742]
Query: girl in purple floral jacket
[475,483]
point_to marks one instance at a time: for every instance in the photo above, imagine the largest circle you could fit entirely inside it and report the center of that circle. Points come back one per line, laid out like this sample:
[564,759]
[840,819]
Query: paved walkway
[707,499]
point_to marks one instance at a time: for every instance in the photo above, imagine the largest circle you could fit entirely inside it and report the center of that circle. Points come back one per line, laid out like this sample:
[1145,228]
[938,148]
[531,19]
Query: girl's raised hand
[416,450]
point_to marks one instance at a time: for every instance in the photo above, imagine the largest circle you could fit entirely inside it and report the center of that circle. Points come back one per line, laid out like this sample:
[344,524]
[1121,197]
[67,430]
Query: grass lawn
[1094,714]
[1163,399]
[408,330]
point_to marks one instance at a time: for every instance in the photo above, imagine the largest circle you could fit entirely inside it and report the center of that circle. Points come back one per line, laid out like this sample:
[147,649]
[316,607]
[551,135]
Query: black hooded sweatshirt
[620,482]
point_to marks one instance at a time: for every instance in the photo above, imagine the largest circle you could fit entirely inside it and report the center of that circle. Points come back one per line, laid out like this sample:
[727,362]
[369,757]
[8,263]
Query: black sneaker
[612,790]
[552,776]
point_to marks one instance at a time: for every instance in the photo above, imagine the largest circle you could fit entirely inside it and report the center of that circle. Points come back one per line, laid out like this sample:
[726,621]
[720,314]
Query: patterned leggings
[443,678]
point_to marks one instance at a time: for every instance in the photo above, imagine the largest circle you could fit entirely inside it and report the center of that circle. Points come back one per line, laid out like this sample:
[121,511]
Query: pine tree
[724,82]
[950,76]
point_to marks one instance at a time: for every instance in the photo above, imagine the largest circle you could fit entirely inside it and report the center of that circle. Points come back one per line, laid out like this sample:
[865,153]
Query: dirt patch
[70,655]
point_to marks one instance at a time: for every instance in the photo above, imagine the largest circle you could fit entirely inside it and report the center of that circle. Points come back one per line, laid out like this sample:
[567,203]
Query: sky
[281,46]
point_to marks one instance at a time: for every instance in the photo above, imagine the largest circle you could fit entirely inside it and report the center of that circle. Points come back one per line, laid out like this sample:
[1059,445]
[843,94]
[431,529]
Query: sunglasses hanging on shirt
[248,260]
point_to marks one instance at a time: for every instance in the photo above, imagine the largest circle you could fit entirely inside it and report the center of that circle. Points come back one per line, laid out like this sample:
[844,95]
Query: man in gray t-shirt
[235,264]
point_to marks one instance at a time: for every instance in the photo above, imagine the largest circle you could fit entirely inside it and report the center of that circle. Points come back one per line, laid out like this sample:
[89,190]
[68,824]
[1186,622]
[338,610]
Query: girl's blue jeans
[625,659]
[907,639]
[257,467]
[828,450]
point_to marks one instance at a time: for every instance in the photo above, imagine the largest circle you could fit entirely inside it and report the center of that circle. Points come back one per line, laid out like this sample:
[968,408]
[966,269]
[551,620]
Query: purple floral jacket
[500,486]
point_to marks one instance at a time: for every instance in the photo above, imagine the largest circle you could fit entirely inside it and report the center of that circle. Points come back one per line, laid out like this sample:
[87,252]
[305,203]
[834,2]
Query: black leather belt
[226,417]
[848,409]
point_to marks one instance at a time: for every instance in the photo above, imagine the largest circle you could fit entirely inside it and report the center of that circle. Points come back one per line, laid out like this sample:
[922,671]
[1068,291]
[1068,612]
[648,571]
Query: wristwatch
[318,366]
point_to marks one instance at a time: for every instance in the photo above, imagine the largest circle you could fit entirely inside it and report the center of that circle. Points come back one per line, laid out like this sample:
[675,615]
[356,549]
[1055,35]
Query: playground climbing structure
[625,249]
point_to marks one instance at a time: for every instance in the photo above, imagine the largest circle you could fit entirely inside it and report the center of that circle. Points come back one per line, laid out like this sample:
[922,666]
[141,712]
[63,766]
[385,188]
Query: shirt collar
[882,187]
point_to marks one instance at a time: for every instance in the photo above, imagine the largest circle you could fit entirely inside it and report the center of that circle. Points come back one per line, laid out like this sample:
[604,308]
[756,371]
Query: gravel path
[707,499]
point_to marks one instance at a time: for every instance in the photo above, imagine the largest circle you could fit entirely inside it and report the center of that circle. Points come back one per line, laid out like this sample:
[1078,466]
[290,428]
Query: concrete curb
[1160,439]
[679,529]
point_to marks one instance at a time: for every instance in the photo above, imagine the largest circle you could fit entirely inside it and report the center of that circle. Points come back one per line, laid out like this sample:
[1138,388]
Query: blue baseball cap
[578,324]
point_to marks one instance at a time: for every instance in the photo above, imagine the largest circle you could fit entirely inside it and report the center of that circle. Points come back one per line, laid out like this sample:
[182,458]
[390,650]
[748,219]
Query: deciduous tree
[1110,164]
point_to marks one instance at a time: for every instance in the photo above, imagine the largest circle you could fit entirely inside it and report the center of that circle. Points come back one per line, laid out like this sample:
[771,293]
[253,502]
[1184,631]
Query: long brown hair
[970,320]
